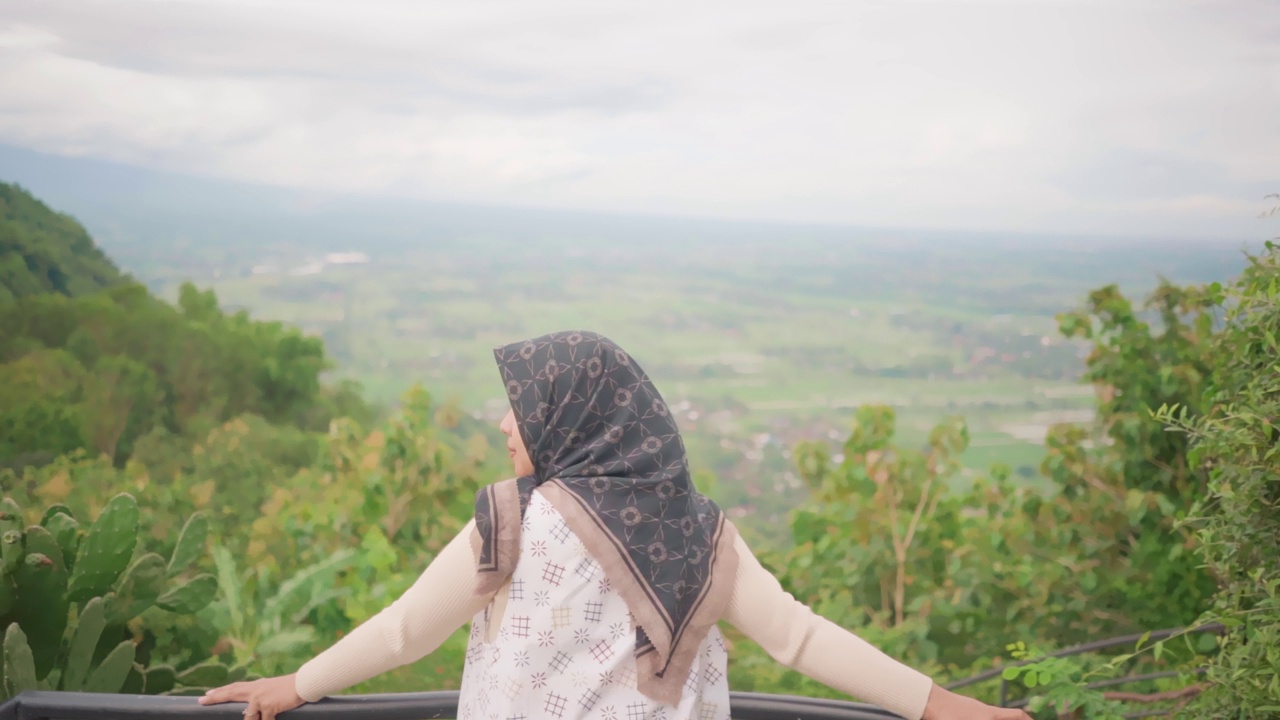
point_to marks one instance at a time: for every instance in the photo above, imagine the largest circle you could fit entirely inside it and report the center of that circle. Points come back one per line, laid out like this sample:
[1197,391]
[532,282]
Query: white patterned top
[442,600]
[564,645]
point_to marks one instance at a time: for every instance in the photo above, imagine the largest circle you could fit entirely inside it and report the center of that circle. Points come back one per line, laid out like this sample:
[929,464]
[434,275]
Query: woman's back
[564,644]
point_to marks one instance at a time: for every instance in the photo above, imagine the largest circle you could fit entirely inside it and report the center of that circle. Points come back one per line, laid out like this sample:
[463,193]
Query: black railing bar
[1134,638]
[1086,647]
[1023,702]
[1004,686]
[45,705]
[1149,676]
[1140,714]
[766,706]
[40,705]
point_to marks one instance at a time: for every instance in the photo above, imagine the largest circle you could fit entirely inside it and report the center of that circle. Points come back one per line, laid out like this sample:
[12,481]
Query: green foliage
[89,361]
[893,543]
[285,505]
[321,517]
[1142,360]
[264,619]
[877,510]
[1073,684]
[103,372]
[39,413]
[95,599]
[1235,437]
[1061,684]
[393,496]
[42,251]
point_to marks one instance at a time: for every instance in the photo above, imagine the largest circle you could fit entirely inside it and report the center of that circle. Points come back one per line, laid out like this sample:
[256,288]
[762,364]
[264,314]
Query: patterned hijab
[607,455]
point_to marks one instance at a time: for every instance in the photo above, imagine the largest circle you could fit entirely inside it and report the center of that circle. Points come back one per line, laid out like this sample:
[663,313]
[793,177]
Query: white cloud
[1134,117]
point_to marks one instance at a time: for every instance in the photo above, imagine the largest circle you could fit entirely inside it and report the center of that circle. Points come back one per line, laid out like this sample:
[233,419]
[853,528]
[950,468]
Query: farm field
[757,347]
[764,335]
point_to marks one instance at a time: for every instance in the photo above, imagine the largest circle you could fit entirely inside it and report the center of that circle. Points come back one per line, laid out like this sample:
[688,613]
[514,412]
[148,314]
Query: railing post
[1004,691]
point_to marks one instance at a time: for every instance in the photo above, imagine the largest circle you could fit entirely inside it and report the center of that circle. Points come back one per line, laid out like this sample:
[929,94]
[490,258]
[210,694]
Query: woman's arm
[800,639]
[439,602]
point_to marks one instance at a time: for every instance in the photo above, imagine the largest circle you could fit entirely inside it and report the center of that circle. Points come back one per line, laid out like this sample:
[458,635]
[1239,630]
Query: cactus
[8,594]
[110,674]
[10,515]
[190,598]
[159,680]
[134,682]
[191,543]
[89,629]
[137,590]
[19,667]
[66,531]
[11,551]
[10,536]
[55,509]
[48,567]
[204,675]
[106,549]
[41,607]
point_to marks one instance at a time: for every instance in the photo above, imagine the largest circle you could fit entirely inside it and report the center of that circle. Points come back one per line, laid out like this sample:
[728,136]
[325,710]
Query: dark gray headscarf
[607,454]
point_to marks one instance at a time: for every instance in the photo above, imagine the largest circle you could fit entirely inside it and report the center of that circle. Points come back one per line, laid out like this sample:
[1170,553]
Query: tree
[1235,441]
[40,410]
[42,251]
[120,403]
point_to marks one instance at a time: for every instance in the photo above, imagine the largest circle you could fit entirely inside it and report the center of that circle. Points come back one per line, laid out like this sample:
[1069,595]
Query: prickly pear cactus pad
[159,679]
[66,531]
[19,668]
[8,594]
[106,549]
[10,536]
[11,551]
[137,590]
[55,509]
[80,652]
[191,544]
[41,607]
[110,674]
[191,597]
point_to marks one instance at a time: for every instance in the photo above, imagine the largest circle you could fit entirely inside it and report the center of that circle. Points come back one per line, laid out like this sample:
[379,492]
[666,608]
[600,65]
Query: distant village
[312,266]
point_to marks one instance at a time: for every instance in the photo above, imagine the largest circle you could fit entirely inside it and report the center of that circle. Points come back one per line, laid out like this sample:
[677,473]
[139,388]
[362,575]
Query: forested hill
[92,362]
[42,251]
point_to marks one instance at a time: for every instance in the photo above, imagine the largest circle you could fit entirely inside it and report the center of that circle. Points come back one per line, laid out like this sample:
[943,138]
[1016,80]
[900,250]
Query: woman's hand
[946,705]
[267,697]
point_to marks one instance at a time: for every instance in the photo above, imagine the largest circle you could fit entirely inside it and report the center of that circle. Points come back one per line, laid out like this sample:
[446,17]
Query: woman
[594,579]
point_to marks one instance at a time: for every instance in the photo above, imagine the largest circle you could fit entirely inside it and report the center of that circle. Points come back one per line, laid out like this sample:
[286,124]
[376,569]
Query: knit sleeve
[800,639]
[439,602]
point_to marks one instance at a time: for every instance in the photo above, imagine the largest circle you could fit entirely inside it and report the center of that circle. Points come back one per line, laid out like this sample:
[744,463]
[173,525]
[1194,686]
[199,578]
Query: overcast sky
[1117,116]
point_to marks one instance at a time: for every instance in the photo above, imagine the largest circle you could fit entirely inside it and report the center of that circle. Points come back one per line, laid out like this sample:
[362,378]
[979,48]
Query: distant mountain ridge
[165,227]
[44,251]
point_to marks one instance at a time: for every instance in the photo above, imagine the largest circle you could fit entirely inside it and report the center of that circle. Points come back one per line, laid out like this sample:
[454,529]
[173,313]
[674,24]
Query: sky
[1111,117]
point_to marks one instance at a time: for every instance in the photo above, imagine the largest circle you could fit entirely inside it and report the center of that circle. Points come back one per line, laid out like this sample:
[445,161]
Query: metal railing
[1121,640]
[48,705]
